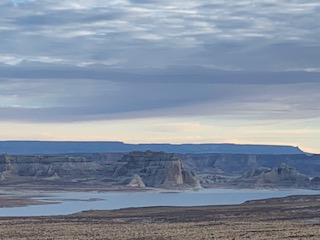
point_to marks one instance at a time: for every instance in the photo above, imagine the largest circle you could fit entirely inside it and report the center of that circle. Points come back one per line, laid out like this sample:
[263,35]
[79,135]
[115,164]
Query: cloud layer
[92,93]
[65,61]
[224,34]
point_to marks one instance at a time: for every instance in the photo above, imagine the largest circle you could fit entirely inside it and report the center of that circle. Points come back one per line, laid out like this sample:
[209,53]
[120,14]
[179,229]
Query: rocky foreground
[295,217]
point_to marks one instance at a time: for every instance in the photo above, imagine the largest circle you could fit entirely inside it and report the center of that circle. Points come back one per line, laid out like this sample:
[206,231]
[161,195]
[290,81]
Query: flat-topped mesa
[61,147]
[156,169]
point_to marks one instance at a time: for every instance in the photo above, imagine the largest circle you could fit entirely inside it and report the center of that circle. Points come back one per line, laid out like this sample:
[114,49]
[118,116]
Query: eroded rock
[156,169]
[284,175]
[136,181]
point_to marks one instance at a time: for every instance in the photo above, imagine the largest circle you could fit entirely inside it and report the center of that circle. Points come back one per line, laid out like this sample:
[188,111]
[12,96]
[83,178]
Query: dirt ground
[285,218]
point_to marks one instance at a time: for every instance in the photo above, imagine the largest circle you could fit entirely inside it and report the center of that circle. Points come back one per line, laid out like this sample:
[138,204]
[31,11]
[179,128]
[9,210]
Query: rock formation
[136,181]
[159,169]
[315,183]
[235,164]
[284,176]
[44,166]
[60,147]
[156,169]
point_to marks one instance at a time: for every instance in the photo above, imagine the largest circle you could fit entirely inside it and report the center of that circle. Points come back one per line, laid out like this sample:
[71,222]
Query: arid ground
[296,217]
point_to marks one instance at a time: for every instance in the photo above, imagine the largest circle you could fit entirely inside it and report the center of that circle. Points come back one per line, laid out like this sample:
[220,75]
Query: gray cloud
[83,60]
[127,32]
[92,93]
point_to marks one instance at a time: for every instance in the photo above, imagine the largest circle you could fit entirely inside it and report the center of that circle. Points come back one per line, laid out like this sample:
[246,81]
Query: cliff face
[136,181]
[156,169]
[159,169]
[46,166]
[135,169]
[284,176]
[238,163]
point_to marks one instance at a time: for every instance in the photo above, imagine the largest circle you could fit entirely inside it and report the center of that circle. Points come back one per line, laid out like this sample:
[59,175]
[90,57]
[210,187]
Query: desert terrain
[22,177]
[295,217]
[110,171]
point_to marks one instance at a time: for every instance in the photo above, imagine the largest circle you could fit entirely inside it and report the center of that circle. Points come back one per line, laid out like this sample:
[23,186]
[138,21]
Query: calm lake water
[68,203]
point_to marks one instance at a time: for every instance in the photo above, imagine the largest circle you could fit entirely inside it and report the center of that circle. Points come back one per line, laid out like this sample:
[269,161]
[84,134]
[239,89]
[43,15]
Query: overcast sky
[161,71]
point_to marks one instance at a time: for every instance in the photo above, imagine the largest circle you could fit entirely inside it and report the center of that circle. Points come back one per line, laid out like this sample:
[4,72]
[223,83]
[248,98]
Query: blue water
[68,203]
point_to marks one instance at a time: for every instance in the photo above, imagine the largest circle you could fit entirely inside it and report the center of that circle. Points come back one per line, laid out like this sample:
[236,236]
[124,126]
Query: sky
[154,71]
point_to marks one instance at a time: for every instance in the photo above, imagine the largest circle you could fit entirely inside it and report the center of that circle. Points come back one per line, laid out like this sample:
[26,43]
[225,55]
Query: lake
[73,202]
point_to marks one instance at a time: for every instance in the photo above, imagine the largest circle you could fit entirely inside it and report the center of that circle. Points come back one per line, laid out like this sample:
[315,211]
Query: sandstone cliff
[156,169]
[159,169]
[283,175]
[136,181]
[46,166]
[235,164]
[135,169]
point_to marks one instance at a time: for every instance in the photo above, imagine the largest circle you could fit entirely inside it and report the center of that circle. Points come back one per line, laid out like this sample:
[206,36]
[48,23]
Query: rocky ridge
[164,170]
[156,169]
[282,176]
[60,147]
[135,169]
